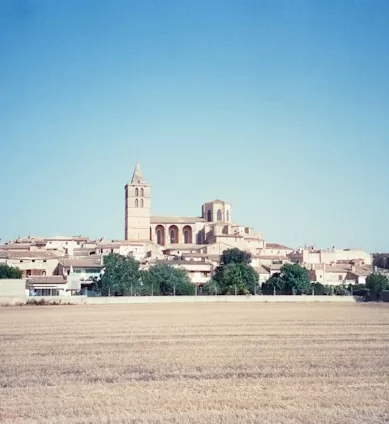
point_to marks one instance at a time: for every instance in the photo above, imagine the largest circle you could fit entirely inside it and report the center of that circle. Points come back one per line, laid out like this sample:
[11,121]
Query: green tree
[235,256]
[376,283]
[234,275]
[10,272]
[274,285]
[319,289]
[292,279]
[166,280]
[121,276]
[359,290]
[295,278]
[211,288]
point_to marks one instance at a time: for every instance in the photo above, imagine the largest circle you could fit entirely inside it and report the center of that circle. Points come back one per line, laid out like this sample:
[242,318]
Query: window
[46,292]
[33,260]
[228,216]
[340,278]
[142,192]
[136,192]
[173,234]
[219,215]
[187,232]
[136,203]
[209,216]
[141,203]
[160,235]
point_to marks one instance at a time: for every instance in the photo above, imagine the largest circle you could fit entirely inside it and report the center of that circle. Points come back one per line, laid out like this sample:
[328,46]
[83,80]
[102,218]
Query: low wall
[216,299]
[12,287]
[83,300]
[12,300]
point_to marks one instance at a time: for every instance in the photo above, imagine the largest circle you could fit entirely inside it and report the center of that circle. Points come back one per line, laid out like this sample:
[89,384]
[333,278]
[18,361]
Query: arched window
[173,234]
[209,215]
[228,215]
[136,203]
[187,234]
[137,192]
[219,215]
[141,203]
[160,235]
[142,192]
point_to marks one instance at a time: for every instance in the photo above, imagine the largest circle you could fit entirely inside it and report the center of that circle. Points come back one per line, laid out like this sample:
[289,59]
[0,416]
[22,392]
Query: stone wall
[216,299]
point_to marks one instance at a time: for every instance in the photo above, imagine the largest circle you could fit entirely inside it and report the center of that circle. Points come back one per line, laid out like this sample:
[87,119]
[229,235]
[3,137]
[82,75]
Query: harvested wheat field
[195,363]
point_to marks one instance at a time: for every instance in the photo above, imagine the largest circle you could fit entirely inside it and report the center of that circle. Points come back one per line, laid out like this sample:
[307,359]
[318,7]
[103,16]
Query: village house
[30,262]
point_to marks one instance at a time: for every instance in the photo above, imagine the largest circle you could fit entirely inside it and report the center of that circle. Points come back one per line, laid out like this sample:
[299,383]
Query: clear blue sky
[280,107]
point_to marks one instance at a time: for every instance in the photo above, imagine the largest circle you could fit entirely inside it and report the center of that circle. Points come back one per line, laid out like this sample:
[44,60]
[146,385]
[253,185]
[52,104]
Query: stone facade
[137,208]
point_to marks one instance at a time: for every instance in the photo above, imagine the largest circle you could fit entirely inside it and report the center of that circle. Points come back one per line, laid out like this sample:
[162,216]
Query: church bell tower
[138,208]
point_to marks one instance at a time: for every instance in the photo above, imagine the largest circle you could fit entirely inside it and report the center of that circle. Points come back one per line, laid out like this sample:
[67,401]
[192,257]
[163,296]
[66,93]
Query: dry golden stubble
[204,363]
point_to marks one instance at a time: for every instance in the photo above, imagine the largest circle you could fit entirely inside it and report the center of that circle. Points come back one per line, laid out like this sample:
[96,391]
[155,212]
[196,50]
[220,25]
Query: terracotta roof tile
[15,254]
[53,279]
[82,263]
[277,246]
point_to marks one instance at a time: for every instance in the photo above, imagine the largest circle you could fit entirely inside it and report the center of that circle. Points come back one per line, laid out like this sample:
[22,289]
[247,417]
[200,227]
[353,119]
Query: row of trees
[122,277]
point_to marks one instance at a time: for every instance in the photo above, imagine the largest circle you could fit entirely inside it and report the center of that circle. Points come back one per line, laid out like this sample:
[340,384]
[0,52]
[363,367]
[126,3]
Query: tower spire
[137,177]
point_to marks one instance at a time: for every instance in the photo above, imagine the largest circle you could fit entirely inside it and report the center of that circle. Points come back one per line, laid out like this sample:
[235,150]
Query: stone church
[214,230]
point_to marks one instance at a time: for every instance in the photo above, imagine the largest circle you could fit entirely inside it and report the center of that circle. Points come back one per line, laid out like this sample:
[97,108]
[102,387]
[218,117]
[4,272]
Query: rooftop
[218,201]
[173,262]
[17,254]
[53,279]
[15,246]
[81,263]
[261,269]
[176,219]
[277,246]
[137,177]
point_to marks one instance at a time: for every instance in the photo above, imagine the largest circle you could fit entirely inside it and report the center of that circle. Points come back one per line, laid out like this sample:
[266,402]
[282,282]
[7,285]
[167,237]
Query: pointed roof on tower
[137,177]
